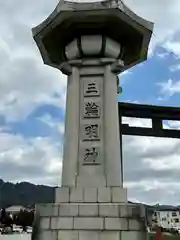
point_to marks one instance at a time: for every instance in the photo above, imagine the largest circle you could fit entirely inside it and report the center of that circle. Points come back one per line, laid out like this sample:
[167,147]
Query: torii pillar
[92,43]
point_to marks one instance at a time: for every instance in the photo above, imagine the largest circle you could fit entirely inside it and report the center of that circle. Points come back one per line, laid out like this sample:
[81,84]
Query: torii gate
[157,114]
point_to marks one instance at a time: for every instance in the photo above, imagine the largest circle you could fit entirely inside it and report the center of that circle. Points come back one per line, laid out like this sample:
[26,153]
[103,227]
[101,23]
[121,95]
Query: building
[14,209]
[168,218]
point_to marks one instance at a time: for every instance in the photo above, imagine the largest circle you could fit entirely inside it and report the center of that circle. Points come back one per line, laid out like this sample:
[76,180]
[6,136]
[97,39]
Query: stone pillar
[92,146]
[91,203]
[111,130]
[71,138]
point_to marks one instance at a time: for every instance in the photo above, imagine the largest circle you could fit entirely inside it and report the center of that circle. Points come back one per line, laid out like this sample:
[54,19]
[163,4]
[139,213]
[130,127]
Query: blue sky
[32,102]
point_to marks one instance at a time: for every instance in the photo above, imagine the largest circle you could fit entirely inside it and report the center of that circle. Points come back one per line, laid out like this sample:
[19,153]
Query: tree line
[23,218]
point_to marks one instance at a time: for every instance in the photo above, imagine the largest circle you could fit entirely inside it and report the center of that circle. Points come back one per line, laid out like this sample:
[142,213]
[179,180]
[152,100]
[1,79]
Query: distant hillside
[28,194]
[25,194]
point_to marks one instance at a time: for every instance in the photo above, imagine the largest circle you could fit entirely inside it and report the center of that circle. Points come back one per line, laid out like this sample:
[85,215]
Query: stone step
[91,223]
[92,235]
[91,195]
[125,210]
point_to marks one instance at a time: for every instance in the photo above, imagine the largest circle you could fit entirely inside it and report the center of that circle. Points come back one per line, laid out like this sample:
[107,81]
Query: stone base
[79,214]
[92,235]
[91,195]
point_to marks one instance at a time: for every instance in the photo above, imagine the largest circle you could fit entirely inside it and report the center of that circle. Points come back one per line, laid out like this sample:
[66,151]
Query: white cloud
[138,122]
[162,55]
[53,123]
[37,159]
[149,163]
[174,124]
[164,15]
[172,46]
[162,163]
[25,82]
[169,88]
[125,73]
[175,68]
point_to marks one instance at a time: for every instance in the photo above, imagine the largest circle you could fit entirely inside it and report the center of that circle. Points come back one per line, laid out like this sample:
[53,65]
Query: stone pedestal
[91,214]
[83,41]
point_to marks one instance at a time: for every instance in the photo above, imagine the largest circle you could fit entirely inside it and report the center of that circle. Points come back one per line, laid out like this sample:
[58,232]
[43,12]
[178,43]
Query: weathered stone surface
[45,223]
[62,223]
[109,210]
[130,210]
[90,194]
[142,211]
[104,195]
[68,210]
[91,46]
[48,235]
[135,225]
[76,195]
[47,210]
[68,235]
[88,235]
[123,210]
[119,195]
[116,224]
[89,210]
[133,235]
[62,195]
[110,235]
[90,223]
[60,21]
[72,50]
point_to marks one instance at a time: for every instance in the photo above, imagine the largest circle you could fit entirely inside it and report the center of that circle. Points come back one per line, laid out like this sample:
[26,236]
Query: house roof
[168,210]
[15,208]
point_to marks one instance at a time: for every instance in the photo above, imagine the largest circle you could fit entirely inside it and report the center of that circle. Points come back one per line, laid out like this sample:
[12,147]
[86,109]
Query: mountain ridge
[25,194]
[28,194]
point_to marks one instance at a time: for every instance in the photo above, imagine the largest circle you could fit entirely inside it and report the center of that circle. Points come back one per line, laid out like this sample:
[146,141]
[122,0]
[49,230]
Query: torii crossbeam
[156,113]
